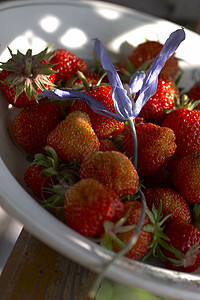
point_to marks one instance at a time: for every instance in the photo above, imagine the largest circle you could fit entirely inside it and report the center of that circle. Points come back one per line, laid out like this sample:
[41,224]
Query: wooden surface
[36,272]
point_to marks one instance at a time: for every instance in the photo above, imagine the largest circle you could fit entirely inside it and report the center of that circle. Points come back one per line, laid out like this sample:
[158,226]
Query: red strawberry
[144,239]
[88,204]
[33,124]
[172,203]
[74,137]
[24,76]
[103,126]
[186,126]
[147,51]
[163,178]
[38,181]
[194,94]
[107,145]
[154,110]
[67,64]
[155,147]
[185,240]
[113,169]
[48,177]
[186,177]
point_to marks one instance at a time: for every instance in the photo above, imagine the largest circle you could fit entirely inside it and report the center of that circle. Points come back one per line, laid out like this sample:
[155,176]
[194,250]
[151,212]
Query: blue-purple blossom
[125,106]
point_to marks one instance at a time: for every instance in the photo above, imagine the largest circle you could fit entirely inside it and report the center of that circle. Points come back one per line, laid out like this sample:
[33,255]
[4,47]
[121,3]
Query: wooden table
[36,272]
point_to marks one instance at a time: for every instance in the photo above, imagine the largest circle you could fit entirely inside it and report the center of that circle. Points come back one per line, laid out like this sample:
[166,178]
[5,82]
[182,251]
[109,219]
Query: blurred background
[183,12]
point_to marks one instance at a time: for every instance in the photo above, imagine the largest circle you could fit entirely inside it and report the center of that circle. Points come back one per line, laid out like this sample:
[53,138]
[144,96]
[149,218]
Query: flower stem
[134,135]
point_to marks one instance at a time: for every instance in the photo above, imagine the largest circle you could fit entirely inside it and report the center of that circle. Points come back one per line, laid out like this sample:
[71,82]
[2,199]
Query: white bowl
[34,24]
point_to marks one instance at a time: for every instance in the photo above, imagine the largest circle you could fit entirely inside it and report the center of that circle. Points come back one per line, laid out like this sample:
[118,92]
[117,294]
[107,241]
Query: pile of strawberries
[82,169]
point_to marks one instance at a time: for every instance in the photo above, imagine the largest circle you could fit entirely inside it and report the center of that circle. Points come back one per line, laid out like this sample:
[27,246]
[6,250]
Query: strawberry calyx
[84,86]
[183,102]
[28,72]
[128,69]
[65,175]
[160,242]
[136,196]
[111,229]
[184,259]
[156,227]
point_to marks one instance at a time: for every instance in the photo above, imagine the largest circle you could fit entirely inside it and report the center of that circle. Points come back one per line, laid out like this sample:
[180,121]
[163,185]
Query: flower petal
[96,106]
[150,82]
[136,81]
[122,103]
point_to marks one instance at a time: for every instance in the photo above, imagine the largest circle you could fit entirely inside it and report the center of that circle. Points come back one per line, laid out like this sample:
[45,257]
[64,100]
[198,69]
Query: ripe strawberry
[144,239]
[147,51]
[163,178]
[154,110]
[172,203]
[155,147]
[24,76]
[113,169]
[184,240]
[88,204]
[67,64]
[33,124]
[103,126]
[194,94]
[74,137]
[38,181]
[186,126]
[107,145]
[186,177]
[48,177]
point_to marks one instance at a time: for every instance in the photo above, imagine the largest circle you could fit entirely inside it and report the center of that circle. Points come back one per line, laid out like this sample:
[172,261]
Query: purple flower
[125,106]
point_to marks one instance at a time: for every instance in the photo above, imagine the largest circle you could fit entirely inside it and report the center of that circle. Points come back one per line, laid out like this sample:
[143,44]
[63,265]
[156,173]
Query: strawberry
[186,126]
[113,169]
[163,178]
[172,203]
[74,137]
[48,177]
[48,171]
[133,208]
[33,124]
[147,51]
[186,177]
[66,64]
[103,126]
[155,147]
[24,76]
[194,94]
[107,145]
[184,243]
[38,181]
[88,204]
[154,110]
